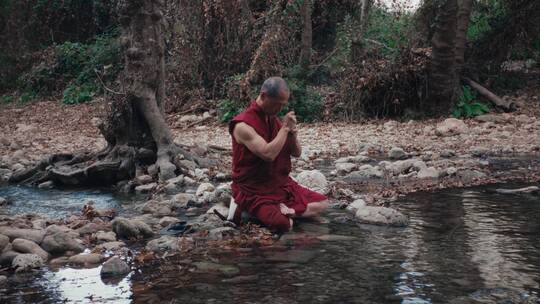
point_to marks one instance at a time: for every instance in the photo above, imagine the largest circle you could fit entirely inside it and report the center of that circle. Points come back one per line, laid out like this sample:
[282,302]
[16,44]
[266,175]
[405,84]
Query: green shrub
[78,94]
[28,96]
[6,99]
[467,107]
[306,103]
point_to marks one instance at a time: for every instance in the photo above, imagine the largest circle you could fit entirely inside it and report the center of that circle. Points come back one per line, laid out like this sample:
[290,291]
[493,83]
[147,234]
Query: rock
[164,243]
[450,127]
[447,153]
[4,241]
[468,175]
[115,267]
[61,242]
[17,167]
[125,228]
[365,171]
[430,172]
[145,188]
[144,179]
[491,118]
[397,153]
[28,234]
[3,202]
[451,171]
[58,262]
[182,200]
[381,216]
[528,190]
[172,189]
[7,256]
[228,270]
[167,220]
[46,185]
[26,246]
[222,209]
[89,228]
[5,174]
[39,224]
[221,233]
[152,170]
[26,261]
[205,222]
[356,204]
[522,118]
[204,187]
[102,236]
[85,259]
[480,151]
[343,168]
[3,280]
[314,180]
[113,246]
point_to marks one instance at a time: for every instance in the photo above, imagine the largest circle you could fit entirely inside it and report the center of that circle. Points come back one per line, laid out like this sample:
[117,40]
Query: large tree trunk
[463,18]
[307,38]
[135,129]
[357,44]
[443,79]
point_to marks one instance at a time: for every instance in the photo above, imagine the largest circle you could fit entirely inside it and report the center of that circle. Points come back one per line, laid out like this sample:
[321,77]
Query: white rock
[313,180]
[26,246]
[343,168]
[430,172]
[381,216]
[115,267]
[397,153]
[204,187]
[450,127]
[26,261]
[355,205]
[164,243]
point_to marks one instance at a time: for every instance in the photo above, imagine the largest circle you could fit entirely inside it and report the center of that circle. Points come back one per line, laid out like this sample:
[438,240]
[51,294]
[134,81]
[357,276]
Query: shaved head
[274,87]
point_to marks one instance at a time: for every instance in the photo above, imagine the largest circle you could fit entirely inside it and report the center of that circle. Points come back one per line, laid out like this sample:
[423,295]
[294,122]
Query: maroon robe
[259,186]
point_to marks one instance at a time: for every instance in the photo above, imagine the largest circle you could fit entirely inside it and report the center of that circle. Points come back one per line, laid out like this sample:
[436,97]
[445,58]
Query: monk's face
[274,105]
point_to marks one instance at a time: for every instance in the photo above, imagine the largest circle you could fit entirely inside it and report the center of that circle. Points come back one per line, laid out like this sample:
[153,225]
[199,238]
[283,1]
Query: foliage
[484,15]
[78,94]
[467,107]
[306,103]
[27,96]
[390,29]
[6,99]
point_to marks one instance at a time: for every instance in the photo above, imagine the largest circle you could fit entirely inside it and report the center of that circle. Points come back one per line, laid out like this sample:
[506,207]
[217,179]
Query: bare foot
[286,210]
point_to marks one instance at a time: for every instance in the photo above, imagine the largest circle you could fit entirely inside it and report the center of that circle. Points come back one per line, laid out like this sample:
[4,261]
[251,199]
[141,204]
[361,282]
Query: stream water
[462,246]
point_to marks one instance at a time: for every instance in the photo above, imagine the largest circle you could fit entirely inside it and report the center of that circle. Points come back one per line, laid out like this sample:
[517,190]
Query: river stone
[204,187]
[468,175]
[531,189]
[397,153]
[112,246]
[3,202]
[167,220]
[115,266]
[356,204]
[46,185]
[26,246]
[450,127]
[102,236]
[145,188]
[313,180]
[85,259]
[3,280]
[221,233]
[182,200]
[205,222]
[90,228]
[26,261]
[4,241]
[365,171]
[228,270]
[222,209]
[39,224]
[381,216]
[446,153]
[144,179]
[430,172]
[61,242]
[125,228]
[27,234]
[164,243]
[343,168]
[7,256]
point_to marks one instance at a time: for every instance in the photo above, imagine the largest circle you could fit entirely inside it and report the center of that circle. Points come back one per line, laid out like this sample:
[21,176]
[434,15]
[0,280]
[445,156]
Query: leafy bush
[467,107]
[28,96]
[6,99]
[78,94]
[306,103]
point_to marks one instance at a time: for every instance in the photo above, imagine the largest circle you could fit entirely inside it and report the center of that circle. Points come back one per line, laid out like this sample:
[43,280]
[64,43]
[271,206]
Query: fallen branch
[507,106]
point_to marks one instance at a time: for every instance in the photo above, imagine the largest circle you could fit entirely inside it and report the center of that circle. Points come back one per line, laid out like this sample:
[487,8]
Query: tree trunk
[135,129]
[357,44]
[463,18]
[443,79]
[307,38]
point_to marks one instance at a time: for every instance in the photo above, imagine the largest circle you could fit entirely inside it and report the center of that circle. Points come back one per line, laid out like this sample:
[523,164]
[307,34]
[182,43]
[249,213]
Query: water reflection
[86,286]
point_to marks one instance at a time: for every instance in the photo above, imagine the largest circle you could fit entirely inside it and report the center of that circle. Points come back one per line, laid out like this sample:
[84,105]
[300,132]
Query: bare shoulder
[243,132]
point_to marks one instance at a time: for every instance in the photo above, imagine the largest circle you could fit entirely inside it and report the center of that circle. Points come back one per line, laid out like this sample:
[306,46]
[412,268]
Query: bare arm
[296,149]
[244,134]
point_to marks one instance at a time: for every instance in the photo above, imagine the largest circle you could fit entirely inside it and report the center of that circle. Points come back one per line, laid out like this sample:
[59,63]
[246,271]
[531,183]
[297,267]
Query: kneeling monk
[262,149]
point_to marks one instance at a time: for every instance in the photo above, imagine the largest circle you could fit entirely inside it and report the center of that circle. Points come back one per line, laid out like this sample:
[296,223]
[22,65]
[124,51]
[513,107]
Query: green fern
[467,107]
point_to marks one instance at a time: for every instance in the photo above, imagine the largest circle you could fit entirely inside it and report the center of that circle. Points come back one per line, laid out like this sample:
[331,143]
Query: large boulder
[450,127]
[365,172]
[381,216]
[115,266]
[26,246]
[26,261]
[356,204]
[430,172]
[85,259]
[397,153]
[344,168]
[33,235]
[61,242]
[7,255]
[125,228]
[313,180]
